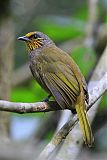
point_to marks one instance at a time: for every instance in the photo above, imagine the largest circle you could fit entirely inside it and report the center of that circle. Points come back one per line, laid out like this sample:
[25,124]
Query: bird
[60,76]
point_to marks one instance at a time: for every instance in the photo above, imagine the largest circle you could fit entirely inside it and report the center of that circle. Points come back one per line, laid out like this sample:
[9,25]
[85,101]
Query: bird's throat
[32,45]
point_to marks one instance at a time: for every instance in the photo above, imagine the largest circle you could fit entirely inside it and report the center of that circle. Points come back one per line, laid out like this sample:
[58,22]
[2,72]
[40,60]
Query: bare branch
[19,107]
[94,94]
[98,90]
[73,141]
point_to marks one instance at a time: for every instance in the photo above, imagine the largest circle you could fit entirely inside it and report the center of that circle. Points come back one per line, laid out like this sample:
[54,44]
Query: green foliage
[61,29]
[85,58]
[22,94]
[49,135]
[82,14]
[39,92]
[31,93]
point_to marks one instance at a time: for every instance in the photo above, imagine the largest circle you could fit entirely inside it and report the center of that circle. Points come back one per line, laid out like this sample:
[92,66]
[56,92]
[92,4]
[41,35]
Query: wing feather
[60,97]
[61,89]
[60,81]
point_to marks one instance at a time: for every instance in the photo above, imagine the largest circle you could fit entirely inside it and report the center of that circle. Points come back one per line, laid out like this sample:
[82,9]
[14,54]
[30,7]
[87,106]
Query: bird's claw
[46,99]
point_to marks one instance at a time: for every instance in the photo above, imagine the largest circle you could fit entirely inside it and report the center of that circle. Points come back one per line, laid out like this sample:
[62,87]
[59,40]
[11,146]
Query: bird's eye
[37,36]
[34,36]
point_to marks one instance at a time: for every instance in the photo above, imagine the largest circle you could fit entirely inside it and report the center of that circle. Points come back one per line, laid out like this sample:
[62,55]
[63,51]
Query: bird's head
[35,40]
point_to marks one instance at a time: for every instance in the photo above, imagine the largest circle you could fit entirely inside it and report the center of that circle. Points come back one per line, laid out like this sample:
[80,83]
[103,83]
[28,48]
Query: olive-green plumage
[59,75]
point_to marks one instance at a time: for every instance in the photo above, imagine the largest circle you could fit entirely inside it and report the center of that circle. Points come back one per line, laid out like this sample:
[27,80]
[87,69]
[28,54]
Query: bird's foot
[46,99]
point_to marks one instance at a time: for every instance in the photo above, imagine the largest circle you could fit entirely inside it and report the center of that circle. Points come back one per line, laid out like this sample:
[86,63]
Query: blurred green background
[65,21]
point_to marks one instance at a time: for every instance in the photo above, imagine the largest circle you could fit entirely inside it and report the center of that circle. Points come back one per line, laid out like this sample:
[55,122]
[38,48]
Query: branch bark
[19,107]
[73,142]
[94,94]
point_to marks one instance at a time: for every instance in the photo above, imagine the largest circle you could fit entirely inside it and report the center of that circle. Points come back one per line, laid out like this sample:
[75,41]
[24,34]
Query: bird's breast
[37,68]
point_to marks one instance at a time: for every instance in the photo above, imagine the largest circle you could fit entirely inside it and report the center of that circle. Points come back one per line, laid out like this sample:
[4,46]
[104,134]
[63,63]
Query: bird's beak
[23,38]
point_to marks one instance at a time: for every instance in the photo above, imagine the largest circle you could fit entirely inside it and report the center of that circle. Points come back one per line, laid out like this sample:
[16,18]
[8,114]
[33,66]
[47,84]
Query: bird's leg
[47,98]
[73,111]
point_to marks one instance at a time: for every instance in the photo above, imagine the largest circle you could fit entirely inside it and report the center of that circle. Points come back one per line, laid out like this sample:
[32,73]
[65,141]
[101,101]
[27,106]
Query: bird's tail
[84,124]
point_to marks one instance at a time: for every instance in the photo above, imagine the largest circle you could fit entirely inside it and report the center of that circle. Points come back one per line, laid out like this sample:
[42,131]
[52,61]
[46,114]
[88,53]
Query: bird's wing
[62,83]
